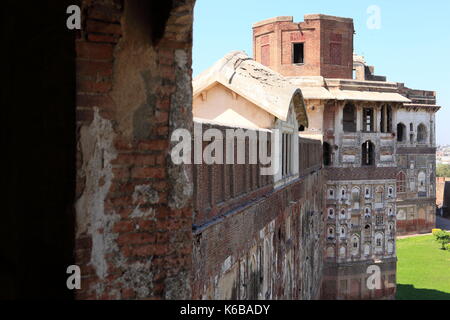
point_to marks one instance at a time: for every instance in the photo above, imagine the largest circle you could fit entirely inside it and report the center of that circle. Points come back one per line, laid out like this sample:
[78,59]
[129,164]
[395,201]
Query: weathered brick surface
[268,249]
[133,234]
[328,46]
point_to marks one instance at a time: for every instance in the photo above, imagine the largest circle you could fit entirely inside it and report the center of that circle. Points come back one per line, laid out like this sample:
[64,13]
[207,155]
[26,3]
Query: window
[330,213]
[367,193]
[368,154]
[287,151]
[343,214]
[326,154]
[330,233]
[379,240]
[421,133]
[343,233]
[379,220]
[368,120]
[422,180]
[330,193]
[367,212]
[391,212]
[401,132]
[343,193]
[390,192]
[355,194]
[386,119]
[301,128]
[298,53]
[355,245]
[411,127]
[349,118]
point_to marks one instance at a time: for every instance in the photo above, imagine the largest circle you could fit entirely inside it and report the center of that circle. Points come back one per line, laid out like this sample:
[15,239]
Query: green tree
[443,170]
[442,237]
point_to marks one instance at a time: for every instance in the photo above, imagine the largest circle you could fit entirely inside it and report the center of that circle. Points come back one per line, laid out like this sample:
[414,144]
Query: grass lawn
[423,270]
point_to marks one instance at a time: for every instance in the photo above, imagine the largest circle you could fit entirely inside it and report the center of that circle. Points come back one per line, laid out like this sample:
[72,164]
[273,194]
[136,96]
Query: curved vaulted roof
[258,84]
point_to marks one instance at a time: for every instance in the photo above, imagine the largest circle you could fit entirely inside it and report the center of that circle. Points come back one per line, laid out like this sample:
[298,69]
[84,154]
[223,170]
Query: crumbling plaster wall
[269,249]
[133,208]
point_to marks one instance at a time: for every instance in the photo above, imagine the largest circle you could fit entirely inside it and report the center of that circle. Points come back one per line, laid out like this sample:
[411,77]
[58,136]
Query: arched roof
[255,82]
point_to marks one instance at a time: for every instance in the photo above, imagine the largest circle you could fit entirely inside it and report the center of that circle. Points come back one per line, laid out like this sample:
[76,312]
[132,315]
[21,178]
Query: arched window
[330,193]
[330,233]
[421,180]
[391,192]
[355,194]
[401,132]
[368,154]
[379,240]
[401,182]
[391,211]
[343,214]
[367,231]
[349,118]
[367,192]
[367,212]
[326,154]
[421,133]
[355,245]
[330,213]
[386,119]
[343,232]
[343,193]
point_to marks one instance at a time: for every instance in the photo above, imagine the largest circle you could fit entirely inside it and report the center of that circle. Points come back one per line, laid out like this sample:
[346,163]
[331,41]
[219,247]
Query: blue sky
[412,45]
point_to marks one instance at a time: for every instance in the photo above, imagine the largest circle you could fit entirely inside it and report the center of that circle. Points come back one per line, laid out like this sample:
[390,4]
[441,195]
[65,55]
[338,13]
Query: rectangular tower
[320,46]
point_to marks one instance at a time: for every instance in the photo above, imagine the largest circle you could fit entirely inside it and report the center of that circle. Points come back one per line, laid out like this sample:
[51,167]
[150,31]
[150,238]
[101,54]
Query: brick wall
[133,238]
[254,242]
[269,248]
[328,45]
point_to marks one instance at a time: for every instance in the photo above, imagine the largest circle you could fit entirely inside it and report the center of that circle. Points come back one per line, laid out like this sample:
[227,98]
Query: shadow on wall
[409,292]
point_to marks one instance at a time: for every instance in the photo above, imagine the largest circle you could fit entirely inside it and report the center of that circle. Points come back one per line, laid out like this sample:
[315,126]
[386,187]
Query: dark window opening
[368,120]
[301,128]
[386,119]
[368,154]
[421,133]
[401,130]
[349,118]
[326,154]
[411,127]
[298,55]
